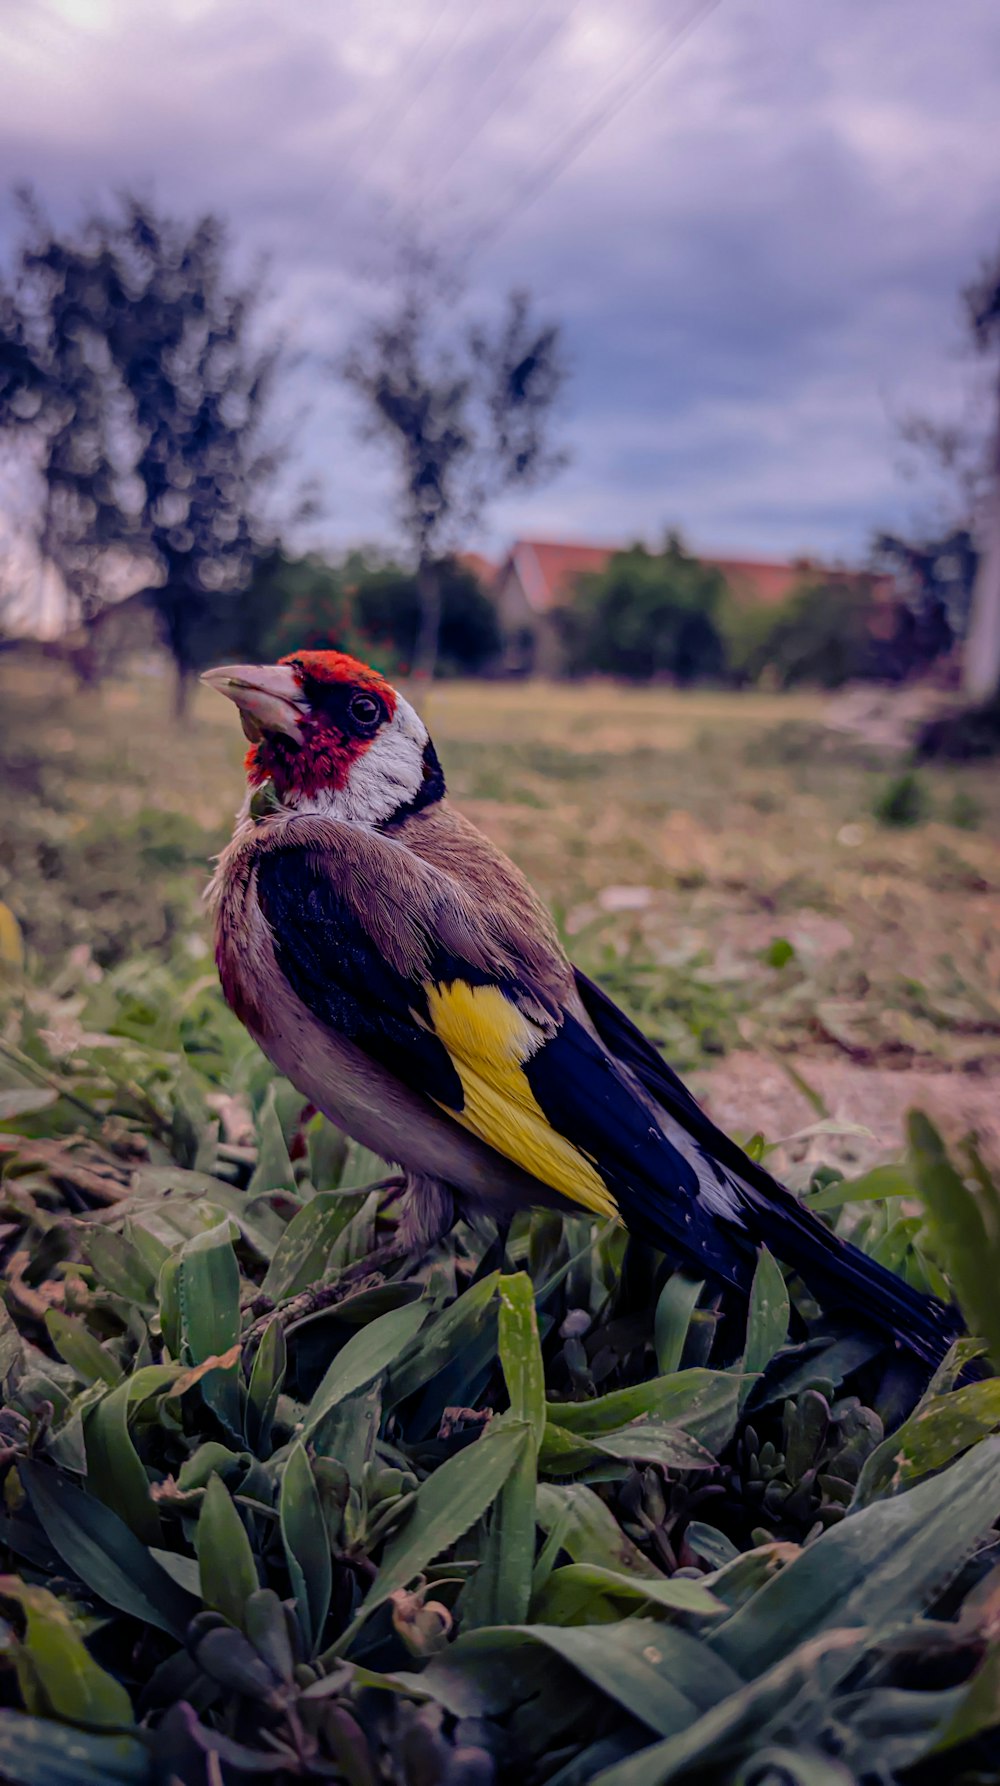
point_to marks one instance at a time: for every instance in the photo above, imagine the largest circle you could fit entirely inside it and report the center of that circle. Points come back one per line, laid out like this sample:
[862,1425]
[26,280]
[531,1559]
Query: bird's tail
[842,1277]
[839,1275]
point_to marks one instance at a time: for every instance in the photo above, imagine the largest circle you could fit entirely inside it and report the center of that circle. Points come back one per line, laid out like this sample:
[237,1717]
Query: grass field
[716,858]
[539,1510]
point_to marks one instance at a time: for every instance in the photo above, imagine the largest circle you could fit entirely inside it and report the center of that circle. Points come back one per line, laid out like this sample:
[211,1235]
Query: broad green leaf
[37,1752]
[881,1564]
[303,1250]
[273,1171]
[56,1672]
[767,1320]
[266,1379]
[447,1503]
[939,1429]
[965,1218]
[75,1343]
[645,1441]
[114,1469]
[732,1728]
[500,1591]
[703,1402]
[209,1291]
[521,1352]
[366,1355]
[168,1296]
[879,1183]
[120,1267]
[225,1559]
[585,1594]
[443,1338]
[327,1152]
[99,1548]
[307,1548]
[675,1305]
[361,1168]
[657,1673]
[589,1532]
[212,1459]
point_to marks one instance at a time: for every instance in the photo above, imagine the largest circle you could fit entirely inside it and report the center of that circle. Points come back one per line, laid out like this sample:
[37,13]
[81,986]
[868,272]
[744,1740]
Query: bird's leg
[428,1214]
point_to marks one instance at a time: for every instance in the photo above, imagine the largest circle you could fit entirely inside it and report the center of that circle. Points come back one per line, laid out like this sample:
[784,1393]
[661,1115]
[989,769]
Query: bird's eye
[365,711]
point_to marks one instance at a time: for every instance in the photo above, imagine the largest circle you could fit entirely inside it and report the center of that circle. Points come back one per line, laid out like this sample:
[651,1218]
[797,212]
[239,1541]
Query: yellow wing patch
[489,1041]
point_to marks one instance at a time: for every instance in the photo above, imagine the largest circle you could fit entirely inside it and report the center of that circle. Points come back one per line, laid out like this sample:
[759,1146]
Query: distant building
[537,578]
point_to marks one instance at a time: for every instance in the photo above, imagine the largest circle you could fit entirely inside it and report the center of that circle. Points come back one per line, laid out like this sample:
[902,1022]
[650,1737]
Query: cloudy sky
[753,219]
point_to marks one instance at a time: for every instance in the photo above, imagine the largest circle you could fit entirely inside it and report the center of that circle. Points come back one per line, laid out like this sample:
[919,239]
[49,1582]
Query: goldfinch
[398,969]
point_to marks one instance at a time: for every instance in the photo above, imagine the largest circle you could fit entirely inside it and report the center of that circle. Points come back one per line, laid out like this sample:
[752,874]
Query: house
[537,578]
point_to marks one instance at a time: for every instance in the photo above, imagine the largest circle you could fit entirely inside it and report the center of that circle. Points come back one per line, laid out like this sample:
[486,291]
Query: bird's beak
[268,696]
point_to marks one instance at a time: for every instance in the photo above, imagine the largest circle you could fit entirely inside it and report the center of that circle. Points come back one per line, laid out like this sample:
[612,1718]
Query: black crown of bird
[396,966]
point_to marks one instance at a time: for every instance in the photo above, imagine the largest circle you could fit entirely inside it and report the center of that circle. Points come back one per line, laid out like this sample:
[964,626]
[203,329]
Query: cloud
[757,259]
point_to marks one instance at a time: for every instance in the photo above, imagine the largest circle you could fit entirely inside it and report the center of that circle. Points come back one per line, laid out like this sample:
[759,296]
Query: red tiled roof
[482,568]
[548,571]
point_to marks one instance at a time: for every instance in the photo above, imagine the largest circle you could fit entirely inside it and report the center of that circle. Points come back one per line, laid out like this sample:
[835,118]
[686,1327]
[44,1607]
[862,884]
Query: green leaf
[114,1468]
[303,1250]
[366,1355]
[168,1296]
[501,1589]
[266,1379]
[965,1219]
[36,1752]
[767,1320]
[658,1674]
[225,1559]
[879,1183]
[56,1672]
[645,1441]
[327,1152]
[75,1343]
[119,1266]
[940,1428]
[880,1565]
[307,1548]
[586,1594]
[703,1402]
[447,1503]
[273,1171]
[444,1338]
[99,1548]
[675,1305]
[589,1531]
[209,1292]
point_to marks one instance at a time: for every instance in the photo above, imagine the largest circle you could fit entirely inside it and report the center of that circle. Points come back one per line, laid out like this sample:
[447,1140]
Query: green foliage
[470,1523]
[386,608]
[649,614]
[823,633]
[902,801]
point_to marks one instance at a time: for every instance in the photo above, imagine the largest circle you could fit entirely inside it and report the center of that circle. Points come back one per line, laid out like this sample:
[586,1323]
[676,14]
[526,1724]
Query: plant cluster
[550,1513]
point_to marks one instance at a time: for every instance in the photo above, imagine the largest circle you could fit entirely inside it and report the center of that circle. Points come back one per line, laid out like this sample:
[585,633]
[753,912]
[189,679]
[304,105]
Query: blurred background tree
[127,353]
[824,633]
[649,614]
[387,613]
[464,420]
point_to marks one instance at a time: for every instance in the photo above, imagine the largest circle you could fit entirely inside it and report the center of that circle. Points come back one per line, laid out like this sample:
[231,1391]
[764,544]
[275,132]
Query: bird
[396,966]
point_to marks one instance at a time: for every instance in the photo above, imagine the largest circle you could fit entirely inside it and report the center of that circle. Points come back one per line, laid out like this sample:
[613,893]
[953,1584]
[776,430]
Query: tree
[128,368]
[649,614]
[982,653]
[463,421]
[387,612]
[823,634]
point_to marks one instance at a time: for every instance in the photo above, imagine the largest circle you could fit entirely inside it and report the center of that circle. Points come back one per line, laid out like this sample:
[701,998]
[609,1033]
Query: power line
[581,135]
[552,31]
[394,114]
